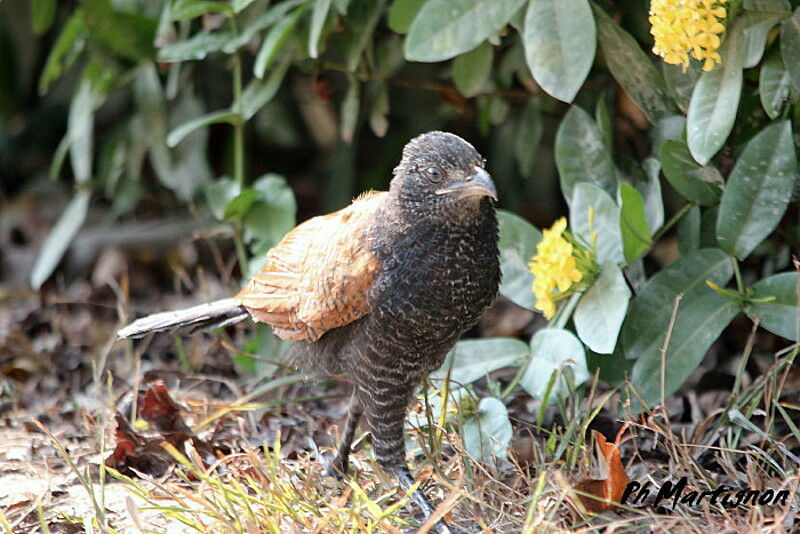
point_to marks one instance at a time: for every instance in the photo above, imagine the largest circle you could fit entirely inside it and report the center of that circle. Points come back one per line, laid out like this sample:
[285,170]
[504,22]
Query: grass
[744,442]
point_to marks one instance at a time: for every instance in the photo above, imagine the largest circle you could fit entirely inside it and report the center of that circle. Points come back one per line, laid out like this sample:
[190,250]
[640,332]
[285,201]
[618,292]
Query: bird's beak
[477,184]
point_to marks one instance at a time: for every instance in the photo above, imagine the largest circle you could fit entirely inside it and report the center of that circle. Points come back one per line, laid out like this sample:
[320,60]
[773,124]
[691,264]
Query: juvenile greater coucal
[379,291]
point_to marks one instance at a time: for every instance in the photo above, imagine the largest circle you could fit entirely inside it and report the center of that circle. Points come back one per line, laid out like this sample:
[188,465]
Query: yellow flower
[558,266]
[687,27]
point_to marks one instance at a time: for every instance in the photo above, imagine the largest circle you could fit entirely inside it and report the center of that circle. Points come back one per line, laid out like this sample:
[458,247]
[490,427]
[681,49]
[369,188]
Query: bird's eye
[434,174]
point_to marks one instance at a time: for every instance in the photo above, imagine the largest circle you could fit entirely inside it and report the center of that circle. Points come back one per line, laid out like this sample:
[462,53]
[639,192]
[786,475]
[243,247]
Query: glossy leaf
[271,216]
[648,318]
[318,16]
[680,85]
[518,239]
[196,47]
[601,310]
[446,28]
[189,9]
[636,238]
[650,190]
[274,40]
[581,154]
[60,238]
[698,323]
[715,100]
[605,225]
[790,47]
[487,436]
[758,190]
[774,83]
[471,70]
[80,128]
[781,316]
[472,359]
[765,15]
[560,40]
[216,117]
[554,350]
[695,182]
[689,231]
[402,14]
[631,67]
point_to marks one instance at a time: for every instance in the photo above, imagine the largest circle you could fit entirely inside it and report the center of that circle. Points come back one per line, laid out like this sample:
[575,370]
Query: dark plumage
[381,290]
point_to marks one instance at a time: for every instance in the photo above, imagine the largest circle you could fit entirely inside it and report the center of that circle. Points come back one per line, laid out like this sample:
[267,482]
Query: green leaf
[774,83]
[179,133]
[487,436]
[581,154]
[274,40]
[790,47]
[680,85]
[80,127]
[529,136]
[560,41]
[195,48]
[472,359]
[606,221]
[350,107]
[65,50]
[518,240]
[274,15]
[318,16]
[603,118]
[446,28]
[240,5]
[238,207]
[689,231]
[715,100]
[648,318]
[59,238]
[780,316]
[259,92]
[360,27]
[636,239]
[651,192]
[122,34]
[631,67]
[698,323]
[554,350]
[758,190]
[189,9]
[402,14]
[601,310]
[272,215]
[43,12]
[695,182]
[219,194]
[765,14]
[471,70]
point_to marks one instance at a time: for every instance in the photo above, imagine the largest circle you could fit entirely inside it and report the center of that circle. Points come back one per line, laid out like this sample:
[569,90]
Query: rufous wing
[318,277]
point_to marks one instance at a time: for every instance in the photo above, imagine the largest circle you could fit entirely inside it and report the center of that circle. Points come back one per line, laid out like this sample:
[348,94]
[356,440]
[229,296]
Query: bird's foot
[405,480]
[336,467]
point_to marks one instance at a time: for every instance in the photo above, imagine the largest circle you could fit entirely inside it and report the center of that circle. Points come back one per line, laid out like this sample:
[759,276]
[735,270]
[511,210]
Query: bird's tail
[203,317]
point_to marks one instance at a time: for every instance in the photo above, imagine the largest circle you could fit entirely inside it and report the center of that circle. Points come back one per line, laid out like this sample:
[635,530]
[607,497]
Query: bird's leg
[339,464]
[385,415]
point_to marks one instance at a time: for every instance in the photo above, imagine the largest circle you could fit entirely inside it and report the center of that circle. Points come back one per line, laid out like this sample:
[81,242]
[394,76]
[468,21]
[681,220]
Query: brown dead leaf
[607,491]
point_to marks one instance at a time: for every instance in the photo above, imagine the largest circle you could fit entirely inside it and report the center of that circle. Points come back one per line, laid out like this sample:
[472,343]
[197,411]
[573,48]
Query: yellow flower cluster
[683,27]
[554,268]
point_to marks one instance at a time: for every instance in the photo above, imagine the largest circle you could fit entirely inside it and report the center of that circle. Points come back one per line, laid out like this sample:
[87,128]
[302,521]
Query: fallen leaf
[605,493]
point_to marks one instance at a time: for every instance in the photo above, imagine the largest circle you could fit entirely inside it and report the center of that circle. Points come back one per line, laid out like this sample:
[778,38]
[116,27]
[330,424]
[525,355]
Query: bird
[379,291]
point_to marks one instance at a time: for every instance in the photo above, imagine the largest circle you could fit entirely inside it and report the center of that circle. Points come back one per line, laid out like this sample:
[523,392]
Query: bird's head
[440,171]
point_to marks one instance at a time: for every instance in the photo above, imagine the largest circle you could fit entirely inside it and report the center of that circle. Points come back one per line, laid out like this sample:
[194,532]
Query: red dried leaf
[607,492]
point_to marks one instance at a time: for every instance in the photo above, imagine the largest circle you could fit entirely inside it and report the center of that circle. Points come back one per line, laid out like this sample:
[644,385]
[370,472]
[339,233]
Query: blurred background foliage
[233,119]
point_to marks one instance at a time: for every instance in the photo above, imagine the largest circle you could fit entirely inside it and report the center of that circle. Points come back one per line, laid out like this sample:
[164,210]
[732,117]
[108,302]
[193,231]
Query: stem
[238,129]
[738,274]
[566,312]
[675,218]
